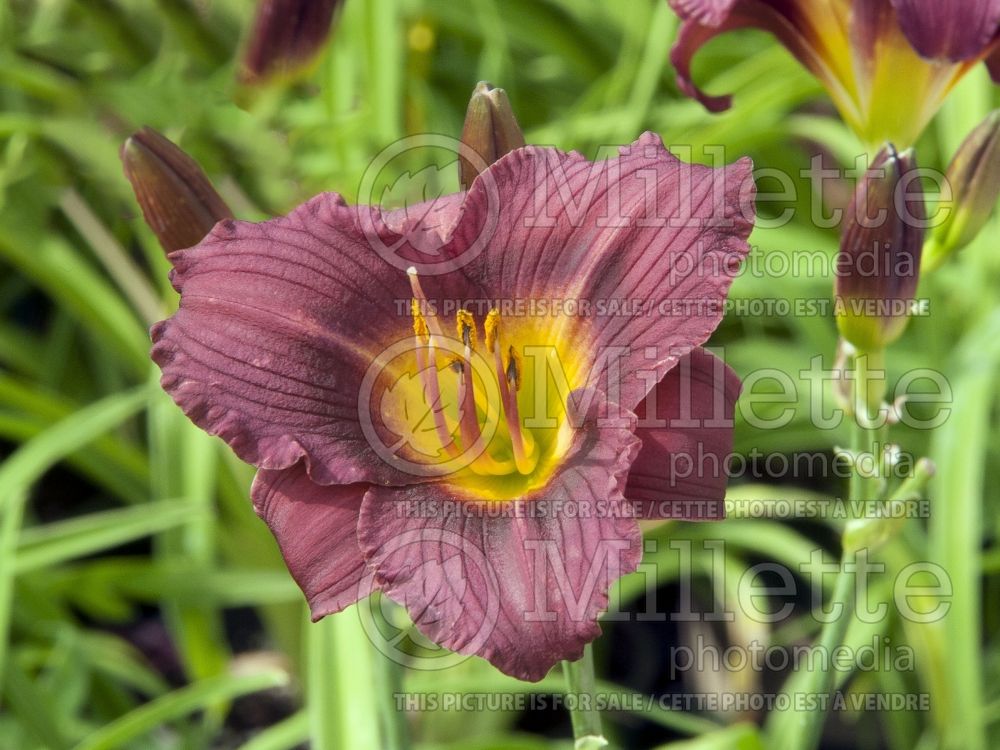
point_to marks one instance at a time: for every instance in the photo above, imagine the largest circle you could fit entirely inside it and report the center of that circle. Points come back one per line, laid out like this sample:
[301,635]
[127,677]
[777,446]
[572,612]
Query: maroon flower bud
[286,36]
[178,202]
[879,261]
[490,130]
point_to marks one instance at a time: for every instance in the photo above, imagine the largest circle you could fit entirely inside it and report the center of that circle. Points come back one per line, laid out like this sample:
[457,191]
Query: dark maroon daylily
[481,464]
[887,64]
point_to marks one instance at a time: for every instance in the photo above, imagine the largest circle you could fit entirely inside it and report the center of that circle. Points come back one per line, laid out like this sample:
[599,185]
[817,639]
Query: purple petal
[708,12]
[519,583]
[316,529]
[642,228]
[686,428]
[278,323]
[955,30]
[706,19]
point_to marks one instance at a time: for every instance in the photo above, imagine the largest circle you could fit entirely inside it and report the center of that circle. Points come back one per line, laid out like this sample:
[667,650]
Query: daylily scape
[887,64]
[477,440]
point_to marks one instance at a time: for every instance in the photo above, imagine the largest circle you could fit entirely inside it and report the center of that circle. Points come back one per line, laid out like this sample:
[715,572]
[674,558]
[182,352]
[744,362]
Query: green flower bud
[974,177]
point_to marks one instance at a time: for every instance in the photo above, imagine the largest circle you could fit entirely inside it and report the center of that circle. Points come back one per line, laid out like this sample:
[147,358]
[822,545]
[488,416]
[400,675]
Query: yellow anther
[465,325]
[419,323]
[492,328]
[513,369]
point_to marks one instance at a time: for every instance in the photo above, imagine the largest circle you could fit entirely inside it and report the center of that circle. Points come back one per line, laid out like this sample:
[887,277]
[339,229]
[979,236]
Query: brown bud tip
[490,131]
[285,37]
[178,202]
[878,265]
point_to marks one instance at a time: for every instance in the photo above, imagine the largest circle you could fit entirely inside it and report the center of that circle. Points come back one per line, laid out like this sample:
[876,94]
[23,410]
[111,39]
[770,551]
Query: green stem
[388,684]
[823,681]
[868,392]
[580,684]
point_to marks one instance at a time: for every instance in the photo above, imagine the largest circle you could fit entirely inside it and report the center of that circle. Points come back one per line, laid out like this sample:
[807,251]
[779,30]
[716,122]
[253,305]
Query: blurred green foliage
[114,510]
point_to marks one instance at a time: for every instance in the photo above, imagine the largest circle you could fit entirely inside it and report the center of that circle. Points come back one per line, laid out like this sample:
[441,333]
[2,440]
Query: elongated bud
[178,202]
[490,130]
[974,177]
[879,262]
[285,37]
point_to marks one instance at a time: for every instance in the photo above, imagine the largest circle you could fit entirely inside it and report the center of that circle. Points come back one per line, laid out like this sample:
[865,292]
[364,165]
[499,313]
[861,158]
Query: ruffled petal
[686,428]
[955,30]
[521,583]
[642,229]
[277,326]
[790,23]
[316,529]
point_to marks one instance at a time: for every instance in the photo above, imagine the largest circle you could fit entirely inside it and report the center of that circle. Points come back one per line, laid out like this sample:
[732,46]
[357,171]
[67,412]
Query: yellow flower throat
[500,425]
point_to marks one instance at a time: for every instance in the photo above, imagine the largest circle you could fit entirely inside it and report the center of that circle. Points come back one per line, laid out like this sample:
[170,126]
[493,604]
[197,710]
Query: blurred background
[143,604]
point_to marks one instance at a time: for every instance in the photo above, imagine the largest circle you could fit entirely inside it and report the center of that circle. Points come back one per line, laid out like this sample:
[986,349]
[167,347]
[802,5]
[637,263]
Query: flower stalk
[580,684]
[867,392]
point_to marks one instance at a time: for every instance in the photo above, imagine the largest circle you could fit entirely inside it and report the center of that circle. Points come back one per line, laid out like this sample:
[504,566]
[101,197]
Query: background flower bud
[879,261]
[974,177]
[286,36]
[490,129]
[178,202]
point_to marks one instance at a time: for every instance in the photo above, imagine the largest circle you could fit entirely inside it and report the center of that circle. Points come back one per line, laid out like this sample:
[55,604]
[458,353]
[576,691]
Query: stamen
[421,299]
[468,423]
[465,326]
[491,326]
[508,395]
[514,369]
[427,367]
[420,329]
[468,420]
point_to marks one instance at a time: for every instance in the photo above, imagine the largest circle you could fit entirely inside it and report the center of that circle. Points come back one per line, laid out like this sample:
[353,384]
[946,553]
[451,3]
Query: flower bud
[879,261]
[286,36]
[490,130]
[974,177]
[178,202]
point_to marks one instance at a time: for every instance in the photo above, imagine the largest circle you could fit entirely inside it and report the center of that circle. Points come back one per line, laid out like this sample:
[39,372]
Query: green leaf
[172,706]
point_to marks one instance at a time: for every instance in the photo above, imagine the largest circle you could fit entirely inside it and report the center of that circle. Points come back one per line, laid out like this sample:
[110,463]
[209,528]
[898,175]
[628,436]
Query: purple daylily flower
[887,64]
[483,465]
